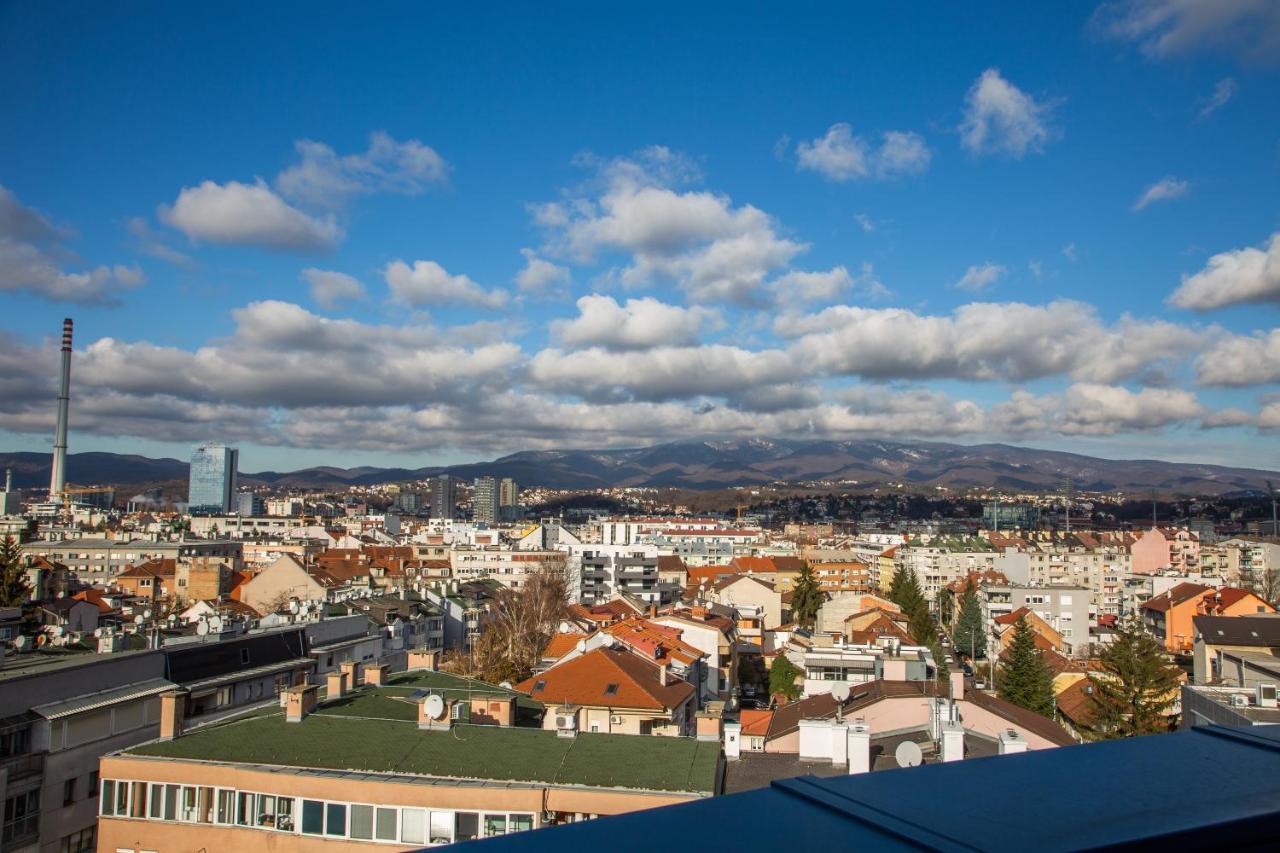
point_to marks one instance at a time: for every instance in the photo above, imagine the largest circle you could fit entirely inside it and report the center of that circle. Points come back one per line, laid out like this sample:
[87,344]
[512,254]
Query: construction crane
[67,492]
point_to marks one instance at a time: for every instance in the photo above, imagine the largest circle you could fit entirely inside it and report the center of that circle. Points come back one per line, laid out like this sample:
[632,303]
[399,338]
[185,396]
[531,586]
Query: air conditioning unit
[1266,695]
[1239,700]
[566,723]
[616,720]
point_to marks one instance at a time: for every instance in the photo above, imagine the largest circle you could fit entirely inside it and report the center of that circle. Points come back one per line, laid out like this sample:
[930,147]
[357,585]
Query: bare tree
[1267,585]
[520,623]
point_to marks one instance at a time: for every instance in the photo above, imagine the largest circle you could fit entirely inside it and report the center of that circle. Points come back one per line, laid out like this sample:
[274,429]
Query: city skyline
[445,239]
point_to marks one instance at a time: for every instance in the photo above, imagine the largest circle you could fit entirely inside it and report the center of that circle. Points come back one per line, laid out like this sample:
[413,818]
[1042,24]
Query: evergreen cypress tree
[906,592]
[806,598]
[970,634]
[1024,678]
[1137,687]
[14,587]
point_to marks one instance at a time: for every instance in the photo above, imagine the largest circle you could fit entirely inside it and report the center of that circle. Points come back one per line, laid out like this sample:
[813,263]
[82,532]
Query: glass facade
[213,479]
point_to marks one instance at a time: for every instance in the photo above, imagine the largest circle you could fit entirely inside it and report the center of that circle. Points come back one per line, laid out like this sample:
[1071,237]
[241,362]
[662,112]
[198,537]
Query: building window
[69,791]
[93,783]
[21,816]
[83,841]
[15,742]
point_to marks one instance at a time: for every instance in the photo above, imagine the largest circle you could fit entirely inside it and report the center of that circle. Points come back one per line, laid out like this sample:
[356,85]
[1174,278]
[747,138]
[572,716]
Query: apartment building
[1066,609]
[944,560]
[58,715]
[97,562]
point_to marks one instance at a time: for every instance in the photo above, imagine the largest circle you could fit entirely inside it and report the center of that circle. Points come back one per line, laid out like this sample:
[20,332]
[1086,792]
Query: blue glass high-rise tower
[213,479]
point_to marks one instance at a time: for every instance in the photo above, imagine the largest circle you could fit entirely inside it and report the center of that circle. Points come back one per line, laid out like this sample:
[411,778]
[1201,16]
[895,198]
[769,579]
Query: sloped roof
[1179,594]
[1077,703]
[560,645]
[1239,630]
[607,678]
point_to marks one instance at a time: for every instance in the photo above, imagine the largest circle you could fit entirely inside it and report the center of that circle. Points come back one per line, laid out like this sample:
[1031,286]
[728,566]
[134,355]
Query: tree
[806,598]
[906,592]
[782,677]
[15,587]
[946,606]
[970,635]
[1024,677]
[1137,686]
[520,623]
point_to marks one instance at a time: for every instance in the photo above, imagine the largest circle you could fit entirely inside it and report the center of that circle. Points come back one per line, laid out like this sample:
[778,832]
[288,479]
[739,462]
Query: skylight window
[611,689]
[539,685]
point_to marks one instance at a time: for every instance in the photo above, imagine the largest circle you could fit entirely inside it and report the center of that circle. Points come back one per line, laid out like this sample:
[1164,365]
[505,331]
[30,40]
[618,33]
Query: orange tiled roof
[755,722]
[610,678]
[1011,618]
[653,641]
[560,645]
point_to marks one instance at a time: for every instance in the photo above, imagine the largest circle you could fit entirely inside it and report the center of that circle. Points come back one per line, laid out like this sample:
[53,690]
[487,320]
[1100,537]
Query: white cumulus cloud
[1001,118]
[247,214]
[330,288]
[428,283]
[32,254]
[323,178]
[639,324]
[839,155]
[1236,277]
[540,275]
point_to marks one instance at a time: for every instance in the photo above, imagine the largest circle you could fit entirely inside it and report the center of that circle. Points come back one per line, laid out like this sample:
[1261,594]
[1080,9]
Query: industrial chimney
[58,476]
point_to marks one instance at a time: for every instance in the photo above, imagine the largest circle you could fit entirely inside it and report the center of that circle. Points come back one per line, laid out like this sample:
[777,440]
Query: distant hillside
[721,464]
[31,470]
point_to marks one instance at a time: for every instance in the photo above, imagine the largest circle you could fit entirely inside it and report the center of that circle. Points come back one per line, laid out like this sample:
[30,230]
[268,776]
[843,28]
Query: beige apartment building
[387,764]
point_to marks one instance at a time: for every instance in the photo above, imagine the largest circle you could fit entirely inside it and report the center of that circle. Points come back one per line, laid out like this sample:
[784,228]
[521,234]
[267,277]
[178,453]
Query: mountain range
[720,464]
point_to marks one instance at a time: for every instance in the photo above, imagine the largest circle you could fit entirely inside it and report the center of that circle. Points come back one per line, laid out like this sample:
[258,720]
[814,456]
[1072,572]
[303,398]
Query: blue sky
[590,227]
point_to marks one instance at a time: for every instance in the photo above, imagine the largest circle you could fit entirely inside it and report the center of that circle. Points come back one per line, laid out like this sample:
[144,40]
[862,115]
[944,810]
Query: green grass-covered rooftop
[376,732]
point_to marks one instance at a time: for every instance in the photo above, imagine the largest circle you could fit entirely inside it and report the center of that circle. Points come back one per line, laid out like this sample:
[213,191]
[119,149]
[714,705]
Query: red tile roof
[611,678]
[560,645]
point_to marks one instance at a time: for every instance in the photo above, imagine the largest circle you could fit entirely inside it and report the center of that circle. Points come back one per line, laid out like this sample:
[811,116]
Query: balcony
[19,767]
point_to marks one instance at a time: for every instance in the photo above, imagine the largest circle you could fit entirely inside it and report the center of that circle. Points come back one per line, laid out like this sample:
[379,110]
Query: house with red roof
[612,690]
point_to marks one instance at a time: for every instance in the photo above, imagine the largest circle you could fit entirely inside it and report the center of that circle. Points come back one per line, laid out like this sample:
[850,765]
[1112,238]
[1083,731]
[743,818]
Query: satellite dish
[840,692]
[99,632]
[582,647]
[908,754]
[147,613]
[56,630]
[137,620]
[20,642]
[505,685]
[202,628]
[434,707]
[293,605]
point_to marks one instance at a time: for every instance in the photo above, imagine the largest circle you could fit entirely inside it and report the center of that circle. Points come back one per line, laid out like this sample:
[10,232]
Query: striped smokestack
[58,476]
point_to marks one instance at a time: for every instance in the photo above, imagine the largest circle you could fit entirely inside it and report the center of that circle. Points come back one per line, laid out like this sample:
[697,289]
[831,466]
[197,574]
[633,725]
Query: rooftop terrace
[376,731]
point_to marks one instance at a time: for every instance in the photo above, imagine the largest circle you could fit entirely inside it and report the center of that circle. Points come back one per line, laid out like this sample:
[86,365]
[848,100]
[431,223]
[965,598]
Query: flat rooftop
[761,769]
[376,731]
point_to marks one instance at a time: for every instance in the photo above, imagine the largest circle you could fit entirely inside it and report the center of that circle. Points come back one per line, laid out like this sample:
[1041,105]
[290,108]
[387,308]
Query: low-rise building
[383,765]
